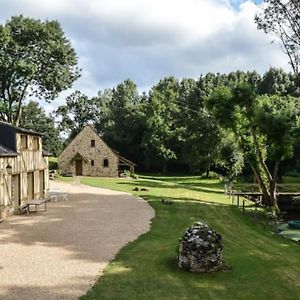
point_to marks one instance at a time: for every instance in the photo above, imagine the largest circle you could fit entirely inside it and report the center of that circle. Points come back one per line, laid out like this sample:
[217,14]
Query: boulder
[200,249]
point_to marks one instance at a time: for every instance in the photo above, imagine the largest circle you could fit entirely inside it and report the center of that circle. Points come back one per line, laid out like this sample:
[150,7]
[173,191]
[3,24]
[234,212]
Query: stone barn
[88,155]
[23,168]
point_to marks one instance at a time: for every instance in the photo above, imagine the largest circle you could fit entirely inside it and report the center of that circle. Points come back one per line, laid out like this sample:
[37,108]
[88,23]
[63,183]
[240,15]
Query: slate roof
[47,153]
[6,152]
[19,129]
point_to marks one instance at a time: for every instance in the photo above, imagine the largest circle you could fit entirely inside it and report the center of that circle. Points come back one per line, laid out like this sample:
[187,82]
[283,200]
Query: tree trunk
[164,167]
[273,185]
[20,104]
[207,173]
[266,196]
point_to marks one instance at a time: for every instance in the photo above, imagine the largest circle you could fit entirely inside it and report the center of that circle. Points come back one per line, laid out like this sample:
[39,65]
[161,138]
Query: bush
[293,173]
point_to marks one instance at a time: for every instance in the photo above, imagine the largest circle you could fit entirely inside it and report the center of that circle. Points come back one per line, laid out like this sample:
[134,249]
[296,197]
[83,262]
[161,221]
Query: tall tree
[229,160]
[281,18]
[36,59]
[78,111]
[123,119]
[198,135]
[162,132]
[277,82]
[265,127]
[35,118]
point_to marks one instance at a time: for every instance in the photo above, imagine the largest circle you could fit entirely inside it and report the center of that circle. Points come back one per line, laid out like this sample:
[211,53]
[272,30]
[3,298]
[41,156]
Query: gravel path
[59,254]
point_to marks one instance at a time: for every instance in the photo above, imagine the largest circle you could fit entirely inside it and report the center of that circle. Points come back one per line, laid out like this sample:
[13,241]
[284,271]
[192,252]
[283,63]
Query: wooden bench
[23,208]
[37,203]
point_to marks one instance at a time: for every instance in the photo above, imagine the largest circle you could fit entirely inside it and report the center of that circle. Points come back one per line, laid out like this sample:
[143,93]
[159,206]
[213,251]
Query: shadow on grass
[160,185]
[263,266]
[153,184]
[179,200]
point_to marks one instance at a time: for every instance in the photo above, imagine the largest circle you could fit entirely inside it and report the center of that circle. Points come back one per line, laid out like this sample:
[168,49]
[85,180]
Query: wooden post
[243,206]
[255,212]
[275,223]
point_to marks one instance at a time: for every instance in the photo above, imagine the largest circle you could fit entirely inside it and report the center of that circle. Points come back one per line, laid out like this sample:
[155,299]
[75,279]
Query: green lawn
[289,184]
[263,266]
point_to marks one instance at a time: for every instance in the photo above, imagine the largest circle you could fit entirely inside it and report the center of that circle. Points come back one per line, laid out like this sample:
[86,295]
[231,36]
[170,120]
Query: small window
[92,163]
[92,143]
[105,162]
[24,141]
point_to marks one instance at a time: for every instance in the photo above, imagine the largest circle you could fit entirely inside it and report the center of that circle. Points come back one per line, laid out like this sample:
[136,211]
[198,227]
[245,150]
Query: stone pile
[200,249]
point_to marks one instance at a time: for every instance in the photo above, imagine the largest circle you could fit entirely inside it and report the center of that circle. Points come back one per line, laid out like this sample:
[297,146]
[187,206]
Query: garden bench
[24,208]
[37,203]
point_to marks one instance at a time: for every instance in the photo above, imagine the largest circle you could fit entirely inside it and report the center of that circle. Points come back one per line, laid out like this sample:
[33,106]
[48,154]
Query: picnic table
[57,196]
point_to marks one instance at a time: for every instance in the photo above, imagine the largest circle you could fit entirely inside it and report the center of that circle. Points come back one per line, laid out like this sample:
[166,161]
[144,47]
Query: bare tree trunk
[19,111]
[273,185]
[260,156]
[260,181]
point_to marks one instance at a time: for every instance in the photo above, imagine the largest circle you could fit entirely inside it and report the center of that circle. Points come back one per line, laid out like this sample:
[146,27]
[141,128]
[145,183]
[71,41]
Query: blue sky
[147,40]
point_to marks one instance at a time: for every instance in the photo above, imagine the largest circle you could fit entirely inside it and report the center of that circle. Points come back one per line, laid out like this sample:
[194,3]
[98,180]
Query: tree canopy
[265,126]
[36,60]
[282,19]
[171,128]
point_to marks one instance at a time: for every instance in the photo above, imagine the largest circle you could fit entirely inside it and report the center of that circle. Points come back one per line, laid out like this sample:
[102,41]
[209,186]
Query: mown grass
[263,265]
[289,184]
[52,163]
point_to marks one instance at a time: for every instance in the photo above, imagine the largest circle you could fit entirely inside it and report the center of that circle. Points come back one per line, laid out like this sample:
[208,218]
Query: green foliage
[281,18]
[52,163]
[230,159]
[162,113]
[278,82]
[78,111]
[265,127]
[123,119]
[277,118]
[174,126]
[221,106]
[36,59]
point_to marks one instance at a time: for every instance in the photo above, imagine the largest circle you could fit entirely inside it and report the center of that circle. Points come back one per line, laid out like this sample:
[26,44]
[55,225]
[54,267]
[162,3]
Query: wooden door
[42,184]
[30,186]
[78,167]
[15,191]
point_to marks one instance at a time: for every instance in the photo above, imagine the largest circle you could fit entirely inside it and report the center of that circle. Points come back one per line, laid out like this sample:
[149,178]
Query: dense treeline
[169,128]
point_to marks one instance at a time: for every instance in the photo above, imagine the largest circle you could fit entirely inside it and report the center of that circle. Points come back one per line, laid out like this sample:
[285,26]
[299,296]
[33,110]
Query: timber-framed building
[23,168]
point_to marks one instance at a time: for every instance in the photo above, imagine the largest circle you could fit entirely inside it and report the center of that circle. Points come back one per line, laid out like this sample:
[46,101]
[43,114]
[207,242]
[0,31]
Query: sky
[151,39]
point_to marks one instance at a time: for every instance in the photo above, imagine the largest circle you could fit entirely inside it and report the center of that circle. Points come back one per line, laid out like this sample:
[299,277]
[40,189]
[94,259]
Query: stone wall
[92,157]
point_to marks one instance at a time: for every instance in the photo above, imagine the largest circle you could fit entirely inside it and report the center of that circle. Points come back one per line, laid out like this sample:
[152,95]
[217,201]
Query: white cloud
[147,40]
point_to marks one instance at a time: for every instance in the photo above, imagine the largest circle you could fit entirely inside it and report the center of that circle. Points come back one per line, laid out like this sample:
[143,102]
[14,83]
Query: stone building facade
[24,172]
[89,155]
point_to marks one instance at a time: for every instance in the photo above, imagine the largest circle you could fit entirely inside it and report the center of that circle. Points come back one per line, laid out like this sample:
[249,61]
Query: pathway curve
[59,254]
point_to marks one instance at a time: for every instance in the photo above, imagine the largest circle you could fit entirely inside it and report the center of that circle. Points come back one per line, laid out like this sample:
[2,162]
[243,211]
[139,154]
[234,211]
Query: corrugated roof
[6,152]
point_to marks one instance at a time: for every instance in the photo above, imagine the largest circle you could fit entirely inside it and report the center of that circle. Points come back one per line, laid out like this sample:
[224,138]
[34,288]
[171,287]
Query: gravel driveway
[60,253]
